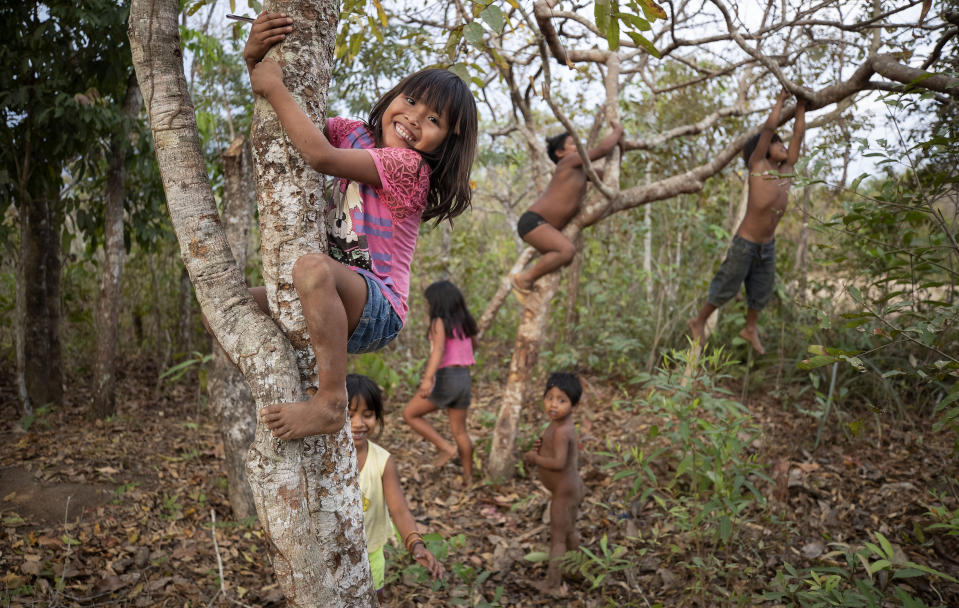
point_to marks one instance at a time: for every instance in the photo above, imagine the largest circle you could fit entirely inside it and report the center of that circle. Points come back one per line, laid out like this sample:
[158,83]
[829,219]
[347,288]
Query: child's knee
[408,415]
[311,271]
[566,253]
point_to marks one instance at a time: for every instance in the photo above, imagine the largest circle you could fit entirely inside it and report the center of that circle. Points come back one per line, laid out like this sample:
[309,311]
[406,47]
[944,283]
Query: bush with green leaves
[874,575]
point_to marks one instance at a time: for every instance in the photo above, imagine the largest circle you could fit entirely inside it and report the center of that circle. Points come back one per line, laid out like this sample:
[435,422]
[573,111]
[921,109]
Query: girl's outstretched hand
[426,559]
[265,77]
[267,30]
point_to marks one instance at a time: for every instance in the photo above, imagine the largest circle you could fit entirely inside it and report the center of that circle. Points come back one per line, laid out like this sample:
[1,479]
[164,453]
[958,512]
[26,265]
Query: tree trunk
[38,303]
[305,491]
[108,303]
[230,398]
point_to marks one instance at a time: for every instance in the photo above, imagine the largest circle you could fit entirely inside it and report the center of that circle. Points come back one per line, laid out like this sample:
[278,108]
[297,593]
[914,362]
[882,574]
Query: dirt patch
[49,504]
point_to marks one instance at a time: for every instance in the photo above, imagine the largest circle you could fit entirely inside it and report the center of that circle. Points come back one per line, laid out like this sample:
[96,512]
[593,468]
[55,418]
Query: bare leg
[560,526]
[750,333]
[333,297]
[413,415]
[697,325]
[557,251]
[463,444]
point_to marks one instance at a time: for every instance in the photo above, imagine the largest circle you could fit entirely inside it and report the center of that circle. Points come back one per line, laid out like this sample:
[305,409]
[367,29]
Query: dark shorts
[752,264]
[452,388]
[379,324]
[528,221]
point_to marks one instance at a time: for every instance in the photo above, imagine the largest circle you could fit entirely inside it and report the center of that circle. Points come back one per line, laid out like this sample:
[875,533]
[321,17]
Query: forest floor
[120,512]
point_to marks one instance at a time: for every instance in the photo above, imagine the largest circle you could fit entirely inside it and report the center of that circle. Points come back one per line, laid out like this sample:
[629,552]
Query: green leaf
[856,295]
[536,556]
[473,32]
[601,15]
[644,43]
[493,17]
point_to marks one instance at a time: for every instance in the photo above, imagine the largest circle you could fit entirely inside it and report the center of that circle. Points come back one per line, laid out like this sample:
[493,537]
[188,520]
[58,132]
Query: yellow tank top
[376,515]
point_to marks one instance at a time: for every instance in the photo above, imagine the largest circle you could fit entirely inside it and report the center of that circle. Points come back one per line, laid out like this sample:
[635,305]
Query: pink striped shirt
[374,230]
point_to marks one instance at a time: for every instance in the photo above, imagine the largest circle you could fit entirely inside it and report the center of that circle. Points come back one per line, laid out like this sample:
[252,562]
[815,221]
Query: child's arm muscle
[769,128]
[799,131]
[401,516]
[354,165]
[606,145]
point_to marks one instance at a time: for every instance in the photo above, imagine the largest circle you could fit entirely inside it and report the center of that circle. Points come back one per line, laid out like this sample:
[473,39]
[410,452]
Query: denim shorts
[378,325]
[452,388]
[752,264]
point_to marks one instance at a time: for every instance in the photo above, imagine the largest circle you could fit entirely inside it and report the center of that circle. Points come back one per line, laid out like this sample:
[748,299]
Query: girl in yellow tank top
[380,484]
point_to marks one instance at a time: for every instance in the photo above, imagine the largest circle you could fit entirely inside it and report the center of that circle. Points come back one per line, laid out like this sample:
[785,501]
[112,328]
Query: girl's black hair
[450,193]
[750,146]
[566,382]
[358,385]
[554,144]
[447,303]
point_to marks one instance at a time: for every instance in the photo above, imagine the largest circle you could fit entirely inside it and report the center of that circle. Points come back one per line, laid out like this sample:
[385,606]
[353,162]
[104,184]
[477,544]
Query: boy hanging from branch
[541,224]
[751,258]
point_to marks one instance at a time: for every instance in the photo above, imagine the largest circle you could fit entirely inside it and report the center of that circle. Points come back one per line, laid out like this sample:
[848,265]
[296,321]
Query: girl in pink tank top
[446,379]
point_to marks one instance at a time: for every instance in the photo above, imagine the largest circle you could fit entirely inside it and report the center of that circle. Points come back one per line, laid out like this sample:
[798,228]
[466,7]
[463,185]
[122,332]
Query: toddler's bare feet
[443,458]
[321,415]
[697,330]
[751,335]
[556,590]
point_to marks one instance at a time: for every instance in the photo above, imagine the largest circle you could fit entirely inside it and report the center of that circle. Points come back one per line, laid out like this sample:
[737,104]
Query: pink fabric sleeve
[405,179]
[338,128]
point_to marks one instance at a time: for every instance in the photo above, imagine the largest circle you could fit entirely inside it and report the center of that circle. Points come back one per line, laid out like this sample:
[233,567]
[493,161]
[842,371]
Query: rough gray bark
[305,491]
[230,398]
[39,359]
[108,302]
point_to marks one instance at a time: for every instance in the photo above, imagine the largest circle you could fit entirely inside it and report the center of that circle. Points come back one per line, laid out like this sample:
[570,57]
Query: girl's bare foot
[443,458]
[751,335]
[318,416]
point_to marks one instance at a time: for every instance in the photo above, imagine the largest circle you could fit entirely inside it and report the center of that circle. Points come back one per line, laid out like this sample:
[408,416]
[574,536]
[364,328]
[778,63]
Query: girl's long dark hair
[450,193]
[447,304]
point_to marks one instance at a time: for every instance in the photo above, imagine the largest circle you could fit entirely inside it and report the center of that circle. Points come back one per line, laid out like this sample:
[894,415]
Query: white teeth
[404,133]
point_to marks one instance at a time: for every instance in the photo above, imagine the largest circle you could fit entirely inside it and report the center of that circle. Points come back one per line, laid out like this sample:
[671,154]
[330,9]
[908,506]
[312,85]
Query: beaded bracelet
[411,539]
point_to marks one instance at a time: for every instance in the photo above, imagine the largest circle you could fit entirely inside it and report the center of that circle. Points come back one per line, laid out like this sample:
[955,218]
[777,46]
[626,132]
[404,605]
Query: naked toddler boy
[557,457]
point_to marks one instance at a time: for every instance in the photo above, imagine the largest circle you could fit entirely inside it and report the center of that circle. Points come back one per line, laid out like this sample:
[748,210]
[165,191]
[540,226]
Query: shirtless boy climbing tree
[751,258]
[540,225]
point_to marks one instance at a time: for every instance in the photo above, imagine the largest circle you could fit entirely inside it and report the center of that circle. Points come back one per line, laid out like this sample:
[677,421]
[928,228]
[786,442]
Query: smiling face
[362,421]
[408,123]
[557,404]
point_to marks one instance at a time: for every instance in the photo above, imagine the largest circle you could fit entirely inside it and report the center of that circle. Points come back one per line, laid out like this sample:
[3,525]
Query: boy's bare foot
[752,336]
[518,289]
[697,329]
[318,416]
[444,457]
[551,589]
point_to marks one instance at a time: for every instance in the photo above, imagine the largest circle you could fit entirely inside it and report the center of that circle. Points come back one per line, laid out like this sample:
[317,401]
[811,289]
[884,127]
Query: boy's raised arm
[769,128]
[606,145]
[799,131]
